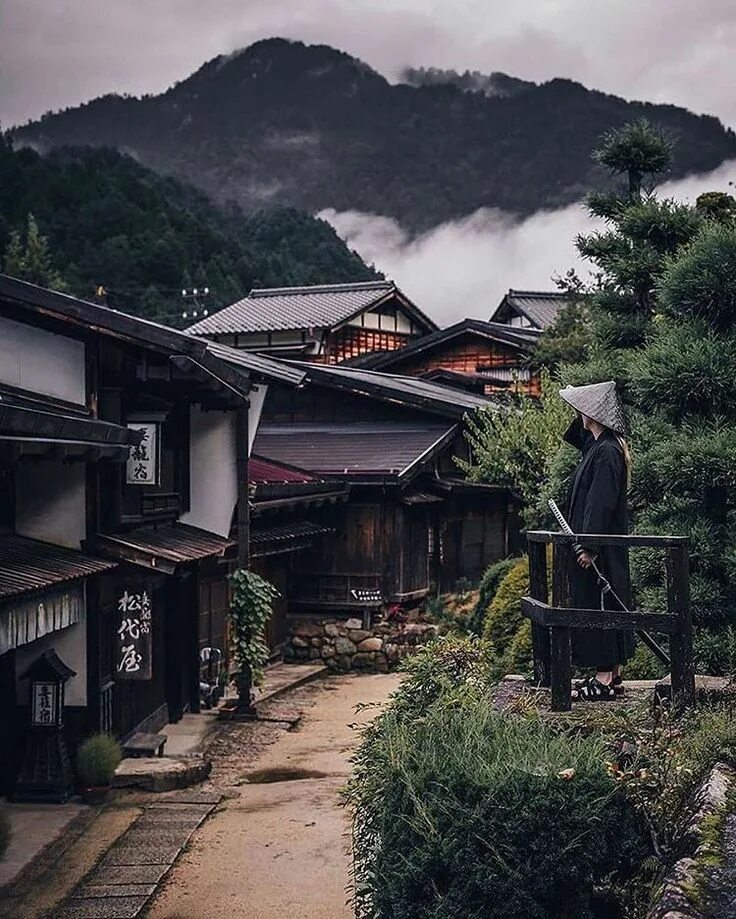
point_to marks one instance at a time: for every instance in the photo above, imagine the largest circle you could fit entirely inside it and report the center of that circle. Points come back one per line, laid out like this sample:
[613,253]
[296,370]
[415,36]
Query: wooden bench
[552,623]
[140,745]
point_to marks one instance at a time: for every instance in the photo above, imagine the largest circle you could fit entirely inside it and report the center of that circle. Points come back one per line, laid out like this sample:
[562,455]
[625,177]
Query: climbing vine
[251,606]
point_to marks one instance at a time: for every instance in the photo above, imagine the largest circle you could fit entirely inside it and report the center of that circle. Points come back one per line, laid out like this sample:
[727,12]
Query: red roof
[267,471]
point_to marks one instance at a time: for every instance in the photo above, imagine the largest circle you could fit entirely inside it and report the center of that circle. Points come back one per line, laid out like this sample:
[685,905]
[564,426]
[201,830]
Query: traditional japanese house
[123,499]
[411,524]
[529,309]
[473,355]
[327,324]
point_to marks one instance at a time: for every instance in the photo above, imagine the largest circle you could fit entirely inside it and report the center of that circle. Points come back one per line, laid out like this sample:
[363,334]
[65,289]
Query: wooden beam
[681,642]
[541,613]
[597,539]
[243,487]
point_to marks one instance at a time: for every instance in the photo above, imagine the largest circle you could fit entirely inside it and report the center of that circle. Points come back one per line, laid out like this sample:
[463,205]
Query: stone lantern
[46,774]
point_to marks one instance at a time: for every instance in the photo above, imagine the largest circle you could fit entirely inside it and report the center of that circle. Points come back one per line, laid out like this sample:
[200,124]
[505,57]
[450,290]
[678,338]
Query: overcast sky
[55,53]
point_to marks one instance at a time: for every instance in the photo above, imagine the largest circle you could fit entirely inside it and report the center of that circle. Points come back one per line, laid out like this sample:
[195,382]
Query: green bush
[504,618]
[465,812]
[492,577]
[97,759]
[4,833]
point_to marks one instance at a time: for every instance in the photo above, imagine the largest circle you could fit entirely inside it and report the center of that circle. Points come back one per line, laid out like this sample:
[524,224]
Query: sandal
[592,690]
[618,685]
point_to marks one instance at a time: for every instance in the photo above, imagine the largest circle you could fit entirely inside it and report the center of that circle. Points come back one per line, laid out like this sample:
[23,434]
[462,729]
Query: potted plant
[97,759]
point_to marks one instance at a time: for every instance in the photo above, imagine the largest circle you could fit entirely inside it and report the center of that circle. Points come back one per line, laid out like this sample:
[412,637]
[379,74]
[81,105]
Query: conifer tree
[30,258]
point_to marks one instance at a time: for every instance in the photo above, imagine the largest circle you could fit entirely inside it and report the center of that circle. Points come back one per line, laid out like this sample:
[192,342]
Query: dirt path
[278,848]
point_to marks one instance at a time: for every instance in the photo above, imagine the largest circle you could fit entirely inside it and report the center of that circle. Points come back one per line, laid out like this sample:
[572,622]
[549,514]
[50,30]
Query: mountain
[112,222]
[471,81]
[283,123]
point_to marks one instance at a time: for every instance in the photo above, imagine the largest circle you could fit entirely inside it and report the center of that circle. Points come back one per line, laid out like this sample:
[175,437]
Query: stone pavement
[33,827]
[123,882]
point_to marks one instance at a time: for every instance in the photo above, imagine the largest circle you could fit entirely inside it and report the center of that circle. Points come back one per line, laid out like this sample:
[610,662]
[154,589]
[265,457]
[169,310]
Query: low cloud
[464,267]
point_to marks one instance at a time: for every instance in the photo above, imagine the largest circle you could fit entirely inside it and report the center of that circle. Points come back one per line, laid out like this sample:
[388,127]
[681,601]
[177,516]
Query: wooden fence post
[560,659]
[681,644]
[538,591]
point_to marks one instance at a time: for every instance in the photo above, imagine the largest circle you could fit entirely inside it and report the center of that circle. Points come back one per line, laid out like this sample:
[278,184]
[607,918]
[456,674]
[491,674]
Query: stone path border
[122,883]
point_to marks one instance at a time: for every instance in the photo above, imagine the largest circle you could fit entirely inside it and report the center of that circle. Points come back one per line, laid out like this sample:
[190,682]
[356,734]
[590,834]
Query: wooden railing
[553,622]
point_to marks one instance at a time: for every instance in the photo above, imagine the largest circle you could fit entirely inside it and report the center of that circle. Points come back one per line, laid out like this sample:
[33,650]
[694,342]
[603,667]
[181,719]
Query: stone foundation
[343,644]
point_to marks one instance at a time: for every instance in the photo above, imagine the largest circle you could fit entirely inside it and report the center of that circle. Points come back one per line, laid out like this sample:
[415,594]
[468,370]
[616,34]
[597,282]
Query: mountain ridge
[288,124]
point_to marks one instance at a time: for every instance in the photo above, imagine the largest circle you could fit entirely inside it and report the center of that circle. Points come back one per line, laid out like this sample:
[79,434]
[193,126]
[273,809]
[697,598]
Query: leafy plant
[492,577]
[462,811]
[251,606]
[97,759]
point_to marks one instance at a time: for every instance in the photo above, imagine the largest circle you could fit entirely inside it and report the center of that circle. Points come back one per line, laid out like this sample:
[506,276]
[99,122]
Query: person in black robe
[597,504]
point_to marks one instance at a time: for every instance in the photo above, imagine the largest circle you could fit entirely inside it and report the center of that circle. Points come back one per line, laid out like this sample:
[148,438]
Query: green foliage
[638,150]
[27,257]
[111,222]
[463,812]
[567,340]
[97,759]
[311,127]
[440,670]
[492,577]
[716,205]
[513,445]
[4,833]
[700,283]
[251,606]
[503,617]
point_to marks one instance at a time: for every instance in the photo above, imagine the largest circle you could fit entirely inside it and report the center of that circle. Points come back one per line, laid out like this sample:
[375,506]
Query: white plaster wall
[213,464]
[50,502]
[212,470]
[71,646]
[41,361]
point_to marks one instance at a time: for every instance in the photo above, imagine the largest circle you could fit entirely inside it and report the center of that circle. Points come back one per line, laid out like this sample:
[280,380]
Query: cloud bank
[464,267]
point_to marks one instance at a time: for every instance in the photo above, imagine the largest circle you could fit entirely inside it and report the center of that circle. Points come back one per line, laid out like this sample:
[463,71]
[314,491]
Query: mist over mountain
[287,124]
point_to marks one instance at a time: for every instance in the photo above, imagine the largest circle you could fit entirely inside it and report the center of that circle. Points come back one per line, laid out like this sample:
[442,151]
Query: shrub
[504,618]
[4,833]
[465,812]
[492,577]
[97,759]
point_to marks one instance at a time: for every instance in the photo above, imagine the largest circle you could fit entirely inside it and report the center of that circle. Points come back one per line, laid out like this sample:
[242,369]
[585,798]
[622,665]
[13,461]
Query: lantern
[46,774]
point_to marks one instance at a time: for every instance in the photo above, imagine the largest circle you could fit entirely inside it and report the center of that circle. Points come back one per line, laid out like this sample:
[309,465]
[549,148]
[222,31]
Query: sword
[605,584]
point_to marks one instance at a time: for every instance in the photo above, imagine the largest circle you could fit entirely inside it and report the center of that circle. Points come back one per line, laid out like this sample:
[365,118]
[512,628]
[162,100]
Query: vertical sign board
[133,639]
[45,704]
[142,465]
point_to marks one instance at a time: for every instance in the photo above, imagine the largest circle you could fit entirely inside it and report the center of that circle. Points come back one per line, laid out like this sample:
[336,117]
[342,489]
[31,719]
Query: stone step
[162,773]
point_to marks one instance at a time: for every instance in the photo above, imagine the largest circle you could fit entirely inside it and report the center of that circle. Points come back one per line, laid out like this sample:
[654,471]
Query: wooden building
[123,459]
[327,324]
[529,309]
[410,525]
[473,355]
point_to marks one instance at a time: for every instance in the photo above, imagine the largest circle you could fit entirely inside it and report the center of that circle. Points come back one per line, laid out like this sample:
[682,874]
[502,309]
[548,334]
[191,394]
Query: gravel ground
[277,847]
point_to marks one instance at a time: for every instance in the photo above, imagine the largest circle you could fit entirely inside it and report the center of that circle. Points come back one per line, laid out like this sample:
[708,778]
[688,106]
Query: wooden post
[245,679]
[681,643]
[560,662]
[538,591]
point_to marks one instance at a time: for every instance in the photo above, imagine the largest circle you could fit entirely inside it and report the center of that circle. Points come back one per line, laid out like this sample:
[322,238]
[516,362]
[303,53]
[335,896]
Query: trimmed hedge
[465,812]
[492,577]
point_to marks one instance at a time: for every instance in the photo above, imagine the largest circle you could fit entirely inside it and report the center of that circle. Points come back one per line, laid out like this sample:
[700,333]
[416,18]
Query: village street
[277,847]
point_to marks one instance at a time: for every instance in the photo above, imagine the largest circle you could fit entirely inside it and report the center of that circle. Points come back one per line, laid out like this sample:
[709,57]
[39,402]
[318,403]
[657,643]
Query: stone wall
[343,644]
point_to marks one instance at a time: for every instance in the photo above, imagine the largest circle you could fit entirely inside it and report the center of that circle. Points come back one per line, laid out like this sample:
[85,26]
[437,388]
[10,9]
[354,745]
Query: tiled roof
[280,308]
[386,448]
[175,543]
[423,394]
[261,470]
[27,564]
[256,364]
[285,532]
[523,339]
[539,306]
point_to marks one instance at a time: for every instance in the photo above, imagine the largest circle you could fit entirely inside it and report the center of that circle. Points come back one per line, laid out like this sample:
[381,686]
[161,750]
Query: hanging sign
[142,466]
[44,708]
[133,639]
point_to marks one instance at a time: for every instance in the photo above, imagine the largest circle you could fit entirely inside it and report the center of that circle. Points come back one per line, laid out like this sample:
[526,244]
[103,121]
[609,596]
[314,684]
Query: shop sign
[142,465]
[134,644]
[45,704]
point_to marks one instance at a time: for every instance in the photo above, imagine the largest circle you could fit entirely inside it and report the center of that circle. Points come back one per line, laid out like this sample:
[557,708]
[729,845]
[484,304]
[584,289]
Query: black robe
[596,504]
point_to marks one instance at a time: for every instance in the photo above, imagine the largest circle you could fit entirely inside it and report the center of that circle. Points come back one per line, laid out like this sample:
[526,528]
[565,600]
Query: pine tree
[31,259]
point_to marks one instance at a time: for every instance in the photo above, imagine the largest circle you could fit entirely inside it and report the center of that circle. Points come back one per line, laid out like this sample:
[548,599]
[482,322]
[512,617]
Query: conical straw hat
[598,401]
